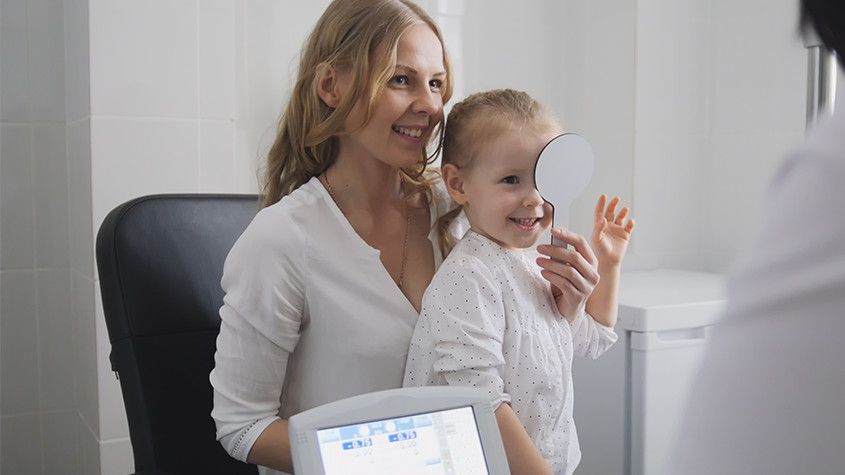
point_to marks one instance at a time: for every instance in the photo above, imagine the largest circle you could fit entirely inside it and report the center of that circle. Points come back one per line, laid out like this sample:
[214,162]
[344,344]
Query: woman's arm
[522,456]
[259,329]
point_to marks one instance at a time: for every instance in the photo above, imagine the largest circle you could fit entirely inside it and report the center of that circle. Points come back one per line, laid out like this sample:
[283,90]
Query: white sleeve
[776,356]
[465,320]
[264,285]
[590,338]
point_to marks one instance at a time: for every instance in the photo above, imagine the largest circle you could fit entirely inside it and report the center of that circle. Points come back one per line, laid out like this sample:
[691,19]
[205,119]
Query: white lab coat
[769,397]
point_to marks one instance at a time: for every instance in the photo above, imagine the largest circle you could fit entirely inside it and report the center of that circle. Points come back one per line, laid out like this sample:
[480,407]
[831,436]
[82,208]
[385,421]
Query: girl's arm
[272,448]
[523,457]
[611,234]
[603,302]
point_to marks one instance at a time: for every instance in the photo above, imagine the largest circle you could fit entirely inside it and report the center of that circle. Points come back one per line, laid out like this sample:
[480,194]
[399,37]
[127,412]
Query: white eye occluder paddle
[561,173]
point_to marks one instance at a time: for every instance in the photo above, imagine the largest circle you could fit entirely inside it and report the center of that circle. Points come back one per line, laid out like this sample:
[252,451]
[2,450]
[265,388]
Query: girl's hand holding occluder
[571,272]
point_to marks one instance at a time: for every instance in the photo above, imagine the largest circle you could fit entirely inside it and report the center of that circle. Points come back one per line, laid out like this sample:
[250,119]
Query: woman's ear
[328,85]
[454,183]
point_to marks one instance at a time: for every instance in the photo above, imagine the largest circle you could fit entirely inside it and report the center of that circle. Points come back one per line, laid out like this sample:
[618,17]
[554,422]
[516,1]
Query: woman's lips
[413,135]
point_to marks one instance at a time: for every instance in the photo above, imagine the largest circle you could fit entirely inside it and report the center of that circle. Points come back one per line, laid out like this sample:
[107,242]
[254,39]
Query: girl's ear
[454,183]
[328,85]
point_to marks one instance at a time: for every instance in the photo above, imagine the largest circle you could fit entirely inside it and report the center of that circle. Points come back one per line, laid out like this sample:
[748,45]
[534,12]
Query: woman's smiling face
[409,106]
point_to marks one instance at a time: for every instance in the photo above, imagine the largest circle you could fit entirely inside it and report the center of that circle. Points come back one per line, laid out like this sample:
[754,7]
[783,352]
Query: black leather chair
[160,259]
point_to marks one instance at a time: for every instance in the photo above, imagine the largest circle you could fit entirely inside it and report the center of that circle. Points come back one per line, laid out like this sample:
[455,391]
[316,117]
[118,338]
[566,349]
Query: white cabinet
[629,402]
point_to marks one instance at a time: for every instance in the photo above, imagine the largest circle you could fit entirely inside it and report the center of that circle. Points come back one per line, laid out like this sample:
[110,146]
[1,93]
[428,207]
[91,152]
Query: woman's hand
[610,232]
[572,272]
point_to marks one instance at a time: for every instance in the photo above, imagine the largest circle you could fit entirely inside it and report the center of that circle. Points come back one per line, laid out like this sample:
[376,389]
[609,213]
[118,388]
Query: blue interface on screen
[443,442]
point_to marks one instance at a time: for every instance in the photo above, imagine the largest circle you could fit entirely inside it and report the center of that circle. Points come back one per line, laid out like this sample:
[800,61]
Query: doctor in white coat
[775,374]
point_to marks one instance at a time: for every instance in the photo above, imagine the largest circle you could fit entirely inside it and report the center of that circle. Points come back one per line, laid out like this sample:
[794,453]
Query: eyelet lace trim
[236,450]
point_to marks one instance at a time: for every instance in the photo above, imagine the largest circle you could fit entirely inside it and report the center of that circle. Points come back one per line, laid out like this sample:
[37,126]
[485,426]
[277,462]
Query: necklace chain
[407,227]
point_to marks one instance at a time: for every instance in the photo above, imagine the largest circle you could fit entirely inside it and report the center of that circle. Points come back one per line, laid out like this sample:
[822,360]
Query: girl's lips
[526,224]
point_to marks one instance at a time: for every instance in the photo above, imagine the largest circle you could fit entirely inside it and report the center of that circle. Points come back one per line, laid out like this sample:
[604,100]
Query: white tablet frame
[390,404]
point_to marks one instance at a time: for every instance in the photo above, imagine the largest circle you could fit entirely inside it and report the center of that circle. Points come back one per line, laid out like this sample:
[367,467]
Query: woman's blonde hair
[479,119]
[356,36]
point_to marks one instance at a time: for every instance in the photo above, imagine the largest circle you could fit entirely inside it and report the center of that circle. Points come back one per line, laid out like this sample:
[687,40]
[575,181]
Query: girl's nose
[533,199]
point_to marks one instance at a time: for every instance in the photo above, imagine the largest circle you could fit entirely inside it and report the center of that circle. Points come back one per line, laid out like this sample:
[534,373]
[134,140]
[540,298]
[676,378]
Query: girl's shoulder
[473,253]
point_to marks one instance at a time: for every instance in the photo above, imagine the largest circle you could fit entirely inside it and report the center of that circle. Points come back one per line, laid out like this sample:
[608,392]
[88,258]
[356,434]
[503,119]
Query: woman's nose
[427,102]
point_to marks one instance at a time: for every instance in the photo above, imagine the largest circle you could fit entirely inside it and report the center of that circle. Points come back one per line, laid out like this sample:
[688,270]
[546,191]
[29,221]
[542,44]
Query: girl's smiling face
[498,193]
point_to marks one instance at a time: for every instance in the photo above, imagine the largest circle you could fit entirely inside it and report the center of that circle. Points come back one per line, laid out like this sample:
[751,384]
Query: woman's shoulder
[298,203]
[282,226]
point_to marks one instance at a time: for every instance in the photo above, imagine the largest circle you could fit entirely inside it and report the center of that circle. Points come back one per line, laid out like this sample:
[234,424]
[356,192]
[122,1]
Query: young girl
[490,317]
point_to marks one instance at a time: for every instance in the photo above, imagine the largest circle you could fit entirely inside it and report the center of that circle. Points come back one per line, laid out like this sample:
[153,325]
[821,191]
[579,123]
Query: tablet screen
[443,442]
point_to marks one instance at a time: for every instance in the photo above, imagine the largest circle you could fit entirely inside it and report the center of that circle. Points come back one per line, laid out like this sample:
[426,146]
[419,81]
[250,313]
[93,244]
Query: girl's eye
[435,84]
[511,180]
[400,80]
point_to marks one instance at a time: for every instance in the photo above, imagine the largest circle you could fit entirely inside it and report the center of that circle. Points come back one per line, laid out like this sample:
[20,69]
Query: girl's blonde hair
[356,36]
[479,119]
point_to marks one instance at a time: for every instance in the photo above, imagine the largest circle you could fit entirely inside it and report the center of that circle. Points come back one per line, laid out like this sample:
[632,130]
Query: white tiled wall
[135,73]
[689,104]
[598,42]
[14,90]
[20,343]
[50,206]
[21,444]
[17,249]
[758,112]
[39,383]
[59,431]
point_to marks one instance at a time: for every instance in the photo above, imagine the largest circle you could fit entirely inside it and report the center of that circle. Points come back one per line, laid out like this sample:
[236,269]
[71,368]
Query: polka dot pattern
[489,320]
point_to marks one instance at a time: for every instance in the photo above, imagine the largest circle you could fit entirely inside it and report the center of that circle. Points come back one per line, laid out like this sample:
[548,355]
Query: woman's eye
[400,80]
[511,180]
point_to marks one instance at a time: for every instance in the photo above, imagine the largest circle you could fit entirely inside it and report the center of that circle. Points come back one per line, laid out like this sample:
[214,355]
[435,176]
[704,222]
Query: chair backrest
[160,260]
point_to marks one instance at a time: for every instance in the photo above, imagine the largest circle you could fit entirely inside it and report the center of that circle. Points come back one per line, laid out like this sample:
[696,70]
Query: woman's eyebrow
[415,72]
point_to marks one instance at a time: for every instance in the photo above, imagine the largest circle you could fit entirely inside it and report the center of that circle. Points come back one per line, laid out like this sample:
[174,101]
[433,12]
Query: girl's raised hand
[572,272]
[611,232]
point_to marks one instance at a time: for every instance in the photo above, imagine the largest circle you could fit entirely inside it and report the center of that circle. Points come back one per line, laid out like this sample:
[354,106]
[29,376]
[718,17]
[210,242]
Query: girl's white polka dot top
[489,320]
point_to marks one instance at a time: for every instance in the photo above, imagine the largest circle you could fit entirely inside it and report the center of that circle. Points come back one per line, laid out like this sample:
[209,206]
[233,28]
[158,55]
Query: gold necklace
[407,227]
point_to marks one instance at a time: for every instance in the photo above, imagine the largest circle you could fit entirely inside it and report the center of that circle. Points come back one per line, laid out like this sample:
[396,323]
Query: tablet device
[420,430]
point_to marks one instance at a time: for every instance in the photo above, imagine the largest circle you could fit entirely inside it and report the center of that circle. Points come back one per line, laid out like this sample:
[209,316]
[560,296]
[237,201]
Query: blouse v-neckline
[363,245]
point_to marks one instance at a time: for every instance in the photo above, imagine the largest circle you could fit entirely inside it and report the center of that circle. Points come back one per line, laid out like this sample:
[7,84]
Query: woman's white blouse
[489,320]
[310,315]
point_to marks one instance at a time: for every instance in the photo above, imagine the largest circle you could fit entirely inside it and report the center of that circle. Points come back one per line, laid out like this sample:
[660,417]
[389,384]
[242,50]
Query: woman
[323,289]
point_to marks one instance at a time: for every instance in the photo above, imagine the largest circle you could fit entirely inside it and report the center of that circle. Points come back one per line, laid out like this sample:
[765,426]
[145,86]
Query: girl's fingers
[572,266]
[598,228]
[600,206]
[611,208]
[563,284]
[630,226]
[621,217]
[577,241]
